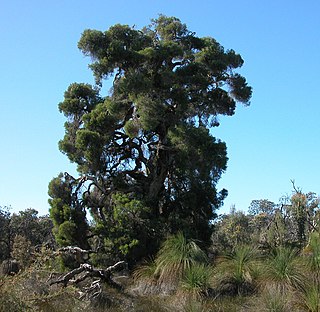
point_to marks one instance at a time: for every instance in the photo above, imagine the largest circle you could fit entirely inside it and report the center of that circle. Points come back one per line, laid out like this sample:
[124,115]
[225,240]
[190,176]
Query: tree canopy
[147,161]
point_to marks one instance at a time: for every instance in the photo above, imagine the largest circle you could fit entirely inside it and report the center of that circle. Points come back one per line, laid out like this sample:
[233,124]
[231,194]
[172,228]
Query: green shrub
[196,279]
[176,255]
[236,272]
[284,268]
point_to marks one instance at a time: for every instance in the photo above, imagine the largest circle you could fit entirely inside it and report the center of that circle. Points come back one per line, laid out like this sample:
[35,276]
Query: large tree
[148,164]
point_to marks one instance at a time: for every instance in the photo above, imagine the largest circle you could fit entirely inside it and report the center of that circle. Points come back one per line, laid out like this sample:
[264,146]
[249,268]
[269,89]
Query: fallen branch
[80,255]
[74,250]
[92,291]
[90,271]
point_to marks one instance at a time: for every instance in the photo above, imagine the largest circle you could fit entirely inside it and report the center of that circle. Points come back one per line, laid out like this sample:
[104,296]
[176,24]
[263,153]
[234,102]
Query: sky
[274,140]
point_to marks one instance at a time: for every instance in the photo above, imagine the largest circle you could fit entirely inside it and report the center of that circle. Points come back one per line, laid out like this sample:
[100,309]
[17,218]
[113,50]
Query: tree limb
[90,271]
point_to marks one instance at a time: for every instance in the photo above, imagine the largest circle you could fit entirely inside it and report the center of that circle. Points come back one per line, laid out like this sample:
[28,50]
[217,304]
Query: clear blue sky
[272,141]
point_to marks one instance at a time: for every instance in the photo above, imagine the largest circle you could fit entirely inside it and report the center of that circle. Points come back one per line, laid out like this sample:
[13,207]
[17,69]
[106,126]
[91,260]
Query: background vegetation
[265,259]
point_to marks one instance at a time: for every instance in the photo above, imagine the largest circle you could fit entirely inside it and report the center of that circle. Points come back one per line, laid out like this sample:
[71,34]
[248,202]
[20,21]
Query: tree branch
[90,271]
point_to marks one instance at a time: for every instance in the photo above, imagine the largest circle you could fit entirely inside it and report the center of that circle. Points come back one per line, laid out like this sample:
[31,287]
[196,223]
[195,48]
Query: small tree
[232,230]
[261,206]
[67,213]
[304,211]
[36,229]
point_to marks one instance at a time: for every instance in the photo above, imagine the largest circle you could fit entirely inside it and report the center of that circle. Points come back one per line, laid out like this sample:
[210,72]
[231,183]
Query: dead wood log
[74,276]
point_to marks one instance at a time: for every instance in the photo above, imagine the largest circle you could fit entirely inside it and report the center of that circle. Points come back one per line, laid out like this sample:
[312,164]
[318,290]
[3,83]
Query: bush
[22,251]
[176,255]
[237,271]
[284,269]
[196,280]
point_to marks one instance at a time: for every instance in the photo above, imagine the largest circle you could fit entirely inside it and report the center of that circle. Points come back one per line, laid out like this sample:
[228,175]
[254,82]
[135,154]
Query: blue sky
[272,141]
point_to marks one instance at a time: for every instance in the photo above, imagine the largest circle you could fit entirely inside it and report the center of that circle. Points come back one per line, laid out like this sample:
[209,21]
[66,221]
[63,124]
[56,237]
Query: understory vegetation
[257,261]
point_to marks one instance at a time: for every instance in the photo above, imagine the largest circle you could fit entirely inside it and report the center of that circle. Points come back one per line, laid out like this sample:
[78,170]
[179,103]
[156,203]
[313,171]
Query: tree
[232,230]
[261,206]
[70,227]
[147,142]
[23,229]
[5,233]
[21,251]
[33,228]
[304,211]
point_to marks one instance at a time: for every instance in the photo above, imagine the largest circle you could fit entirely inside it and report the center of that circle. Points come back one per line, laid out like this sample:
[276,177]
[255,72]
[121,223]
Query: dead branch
[79,254]
[91,291]
[297,190]
[75,250]
[90,271]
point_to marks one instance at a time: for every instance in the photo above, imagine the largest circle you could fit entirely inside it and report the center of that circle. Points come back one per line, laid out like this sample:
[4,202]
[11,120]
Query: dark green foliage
[36,229]
[284,269]
[237,270]
[145,150]
[131,226]
[261,206]
[5,233]
[69,218]
[25,226]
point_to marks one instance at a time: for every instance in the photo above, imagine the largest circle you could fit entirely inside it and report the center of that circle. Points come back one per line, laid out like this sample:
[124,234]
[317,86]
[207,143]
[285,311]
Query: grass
[179,262]
[236,272]
[146,271]
[312,252]
[284,269]
[196,280]
[176,255]
[309,297]
[241,281]
[272,299]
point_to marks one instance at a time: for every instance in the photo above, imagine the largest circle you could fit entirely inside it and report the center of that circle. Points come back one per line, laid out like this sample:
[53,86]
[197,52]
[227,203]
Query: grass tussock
[236,272]
[197,279]
[272,299]
[176,255]
[284,269]
[308,298]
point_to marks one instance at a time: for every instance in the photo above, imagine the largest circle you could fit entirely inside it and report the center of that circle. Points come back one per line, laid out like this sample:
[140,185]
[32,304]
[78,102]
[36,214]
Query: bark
[163,161]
